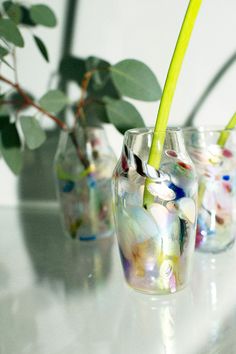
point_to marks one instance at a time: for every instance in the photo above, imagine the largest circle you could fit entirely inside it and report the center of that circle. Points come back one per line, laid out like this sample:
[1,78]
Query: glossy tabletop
[58,296]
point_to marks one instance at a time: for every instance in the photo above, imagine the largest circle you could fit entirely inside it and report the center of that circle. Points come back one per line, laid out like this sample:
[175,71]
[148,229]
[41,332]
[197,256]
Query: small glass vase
[214,153]
[83,167]
[156,242]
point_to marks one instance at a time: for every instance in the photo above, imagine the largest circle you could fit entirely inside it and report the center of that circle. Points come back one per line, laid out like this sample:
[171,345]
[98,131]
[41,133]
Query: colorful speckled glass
[85,193]
[216,167]
[156,242]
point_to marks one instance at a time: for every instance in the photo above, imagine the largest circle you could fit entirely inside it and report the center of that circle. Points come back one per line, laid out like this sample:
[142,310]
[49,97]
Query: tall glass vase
[83,167]
[214,153]
[156,241]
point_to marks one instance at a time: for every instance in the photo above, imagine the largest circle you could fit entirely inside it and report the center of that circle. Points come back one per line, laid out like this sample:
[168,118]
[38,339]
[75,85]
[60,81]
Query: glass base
[90,237]
[214,240]
[156,291]
[214,249]
[94,237]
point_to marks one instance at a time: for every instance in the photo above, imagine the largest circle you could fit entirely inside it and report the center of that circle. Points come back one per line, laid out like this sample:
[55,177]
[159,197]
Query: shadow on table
[61,261]
[36,181]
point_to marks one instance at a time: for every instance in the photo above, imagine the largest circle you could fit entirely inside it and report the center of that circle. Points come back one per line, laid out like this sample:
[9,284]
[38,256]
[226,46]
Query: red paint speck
[124,163]
[184,165]
[227,153]
[199,237]
[95,142]
[171,153]
[227,187]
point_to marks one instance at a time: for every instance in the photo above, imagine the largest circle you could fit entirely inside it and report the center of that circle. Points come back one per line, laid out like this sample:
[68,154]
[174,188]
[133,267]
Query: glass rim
[150,130]
[208,129]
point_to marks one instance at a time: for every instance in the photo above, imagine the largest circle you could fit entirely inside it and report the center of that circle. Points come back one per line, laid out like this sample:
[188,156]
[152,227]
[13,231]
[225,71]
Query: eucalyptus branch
[29,102]
[7,102]
[80,114]
[81,156]
[84,86]
[169,89]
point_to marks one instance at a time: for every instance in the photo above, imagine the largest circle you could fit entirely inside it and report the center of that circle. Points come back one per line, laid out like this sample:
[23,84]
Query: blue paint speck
[88,238]
[179,192]
[91,181]
[68,186]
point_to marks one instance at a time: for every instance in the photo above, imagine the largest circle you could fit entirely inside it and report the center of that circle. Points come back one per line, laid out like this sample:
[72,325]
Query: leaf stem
[169,88]
[29,102]
[84,86]
[82,157]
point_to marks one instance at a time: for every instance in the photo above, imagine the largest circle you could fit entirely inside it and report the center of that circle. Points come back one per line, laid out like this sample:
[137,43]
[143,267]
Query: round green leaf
[134,79]
[108,90]
[10,32]
[10,148]
[16,101]
[13,11]
[5,62]
[33,133]
[53,101]
[102,73]
[95,113]
[43,15]
[4,120]
[3,52]
[25,18]
[72,68]
[42,48]
[123,115]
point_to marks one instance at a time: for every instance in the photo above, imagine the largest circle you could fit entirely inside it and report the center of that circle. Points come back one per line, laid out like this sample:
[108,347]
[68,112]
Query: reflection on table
[58,296]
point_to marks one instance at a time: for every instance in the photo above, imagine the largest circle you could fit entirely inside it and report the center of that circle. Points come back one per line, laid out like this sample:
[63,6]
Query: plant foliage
[104,87]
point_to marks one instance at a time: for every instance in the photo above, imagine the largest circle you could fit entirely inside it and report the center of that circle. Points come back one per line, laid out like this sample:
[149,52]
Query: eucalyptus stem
[29,102]
[169,89]
[209,88]
[84,87]
[225,134]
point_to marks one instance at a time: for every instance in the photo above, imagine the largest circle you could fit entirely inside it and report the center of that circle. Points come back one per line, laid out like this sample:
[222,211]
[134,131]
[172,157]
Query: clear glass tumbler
[213,152]
[83,167]
[156,240]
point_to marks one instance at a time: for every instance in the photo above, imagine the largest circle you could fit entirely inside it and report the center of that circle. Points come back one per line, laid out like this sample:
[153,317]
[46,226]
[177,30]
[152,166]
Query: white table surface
[58,296]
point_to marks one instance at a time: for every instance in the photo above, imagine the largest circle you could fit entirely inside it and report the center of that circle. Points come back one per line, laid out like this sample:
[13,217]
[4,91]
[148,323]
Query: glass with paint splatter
[156,240]
[83,167]
[213,152]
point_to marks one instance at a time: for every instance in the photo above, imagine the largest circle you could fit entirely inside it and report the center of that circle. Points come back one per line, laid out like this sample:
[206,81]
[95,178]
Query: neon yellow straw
[224,135]
[169,89]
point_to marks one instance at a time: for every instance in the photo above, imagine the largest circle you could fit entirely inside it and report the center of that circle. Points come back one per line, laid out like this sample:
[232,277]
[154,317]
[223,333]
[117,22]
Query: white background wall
[145,30]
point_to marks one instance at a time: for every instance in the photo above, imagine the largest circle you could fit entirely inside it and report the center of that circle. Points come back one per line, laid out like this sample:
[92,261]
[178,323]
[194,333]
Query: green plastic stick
[169,89]
[224,135]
